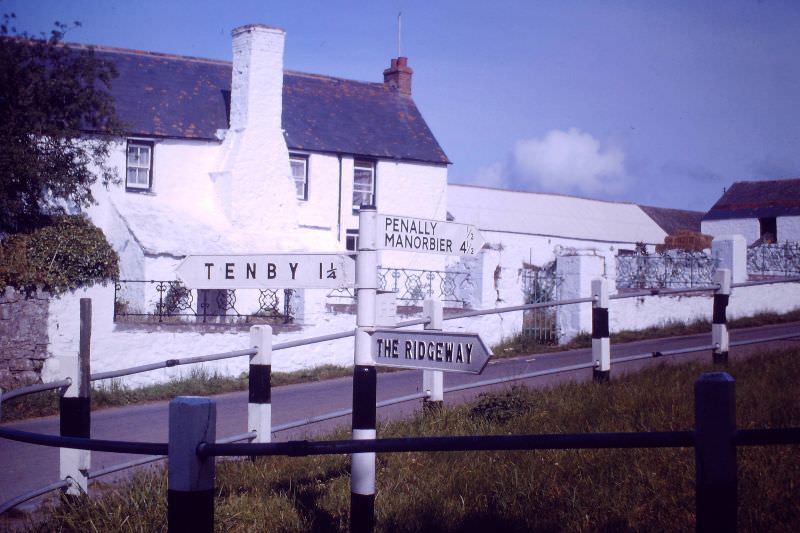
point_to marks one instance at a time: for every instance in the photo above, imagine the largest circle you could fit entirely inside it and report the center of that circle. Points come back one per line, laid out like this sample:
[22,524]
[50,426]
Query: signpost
[430,350]
[268,271]
[427,236]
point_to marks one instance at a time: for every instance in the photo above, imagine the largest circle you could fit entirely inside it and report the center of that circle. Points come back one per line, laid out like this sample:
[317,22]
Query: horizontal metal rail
[31,389]
[659,292]
[22,498]
[171,362]
[560,441]
[765,282]
[80,443]
[153,458]
[513,308]
[761,437]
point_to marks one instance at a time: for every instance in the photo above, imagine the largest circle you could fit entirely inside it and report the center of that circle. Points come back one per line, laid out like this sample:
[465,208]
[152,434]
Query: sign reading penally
[430,350]
[268,271]
[429,236]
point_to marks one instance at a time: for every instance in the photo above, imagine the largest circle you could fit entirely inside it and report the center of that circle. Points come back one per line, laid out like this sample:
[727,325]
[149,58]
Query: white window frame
[351,240]
[364,165]
[300,158]
[139,167]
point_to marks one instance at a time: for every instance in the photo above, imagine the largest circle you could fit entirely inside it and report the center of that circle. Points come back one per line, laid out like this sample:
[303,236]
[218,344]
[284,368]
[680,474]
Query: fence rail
[781,259]
[412,286]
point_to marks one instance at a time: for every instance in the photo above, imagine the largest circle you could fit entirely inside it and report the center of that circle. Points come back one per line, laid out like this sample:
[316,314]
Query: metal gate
[541,285]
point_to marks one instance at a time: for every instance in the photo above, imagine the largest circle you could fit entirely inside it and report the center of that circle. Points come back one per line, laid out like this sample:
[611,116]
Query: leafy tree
[50,95]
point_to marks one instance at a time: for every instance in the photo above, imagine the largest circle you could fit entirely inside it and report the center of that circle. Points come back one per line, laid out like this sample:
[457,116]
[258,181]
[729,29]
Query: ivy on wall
[69,253]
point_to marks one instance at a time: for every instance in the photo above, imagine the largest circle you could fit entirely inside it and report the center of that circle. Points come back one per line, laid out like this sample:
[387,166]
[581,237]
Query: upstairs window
[299,164]
[139,167]
[363,183]
[351,240]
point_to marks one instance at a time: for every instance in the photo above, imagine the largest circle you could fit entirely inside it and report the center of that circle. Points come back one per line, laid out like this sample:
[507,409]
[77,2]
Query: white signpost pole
[362,482]
[433,380]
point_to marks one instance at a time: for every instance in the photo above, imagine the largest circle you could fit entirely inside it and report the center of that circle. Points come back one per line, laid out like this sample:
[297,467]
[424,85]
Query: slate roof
[673,220]
[756,199]
[161,95]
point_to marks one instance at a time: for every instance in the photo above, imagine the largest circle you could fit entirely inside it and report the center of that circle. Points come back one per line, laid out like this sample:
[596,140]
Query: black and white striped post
[715,452]
[433,380]
[75,407]
[362,479]
[601,345]
[259,397]
[719,323]
[190,496]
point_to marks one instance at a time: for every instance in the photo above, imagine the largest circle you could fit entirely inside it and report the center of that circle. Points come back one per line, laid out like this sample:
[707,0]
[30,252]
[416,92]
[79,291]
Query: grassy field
[602,490]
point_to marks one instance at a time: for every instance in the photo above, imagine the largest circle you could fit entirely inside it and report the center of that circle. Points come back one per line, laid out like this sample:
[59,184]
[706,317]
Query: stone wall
[23,337]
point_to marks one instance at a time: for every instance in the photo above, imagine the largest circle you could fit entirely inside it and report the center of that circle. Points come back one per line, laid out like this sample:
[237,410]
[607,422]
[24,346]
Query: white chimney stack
[254,181]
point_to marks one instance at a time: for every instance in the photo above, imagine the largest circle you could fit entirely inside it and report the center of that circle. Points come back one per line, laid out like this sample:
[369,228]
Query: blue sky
[660,103]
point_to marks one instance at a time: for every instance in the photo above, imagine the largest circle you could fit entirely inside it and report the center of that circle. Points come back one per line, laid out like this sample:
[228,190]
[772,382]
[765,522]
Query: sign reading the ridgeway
[268,271]
[429,236]
[430,350]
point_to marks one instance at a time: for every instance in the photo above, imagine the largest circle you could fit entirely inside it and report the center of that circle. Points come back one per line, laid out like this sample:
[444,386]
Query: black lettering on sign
[271,271]
[448,352]
[409,354]
[229,270]
[293,268]
[208,269]
[251,271]
[469,352]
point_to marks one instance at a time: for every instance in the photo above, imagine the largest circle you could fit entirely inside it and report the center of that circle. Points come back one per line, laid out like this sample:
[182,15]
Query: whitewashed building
[247,157]
[761,211]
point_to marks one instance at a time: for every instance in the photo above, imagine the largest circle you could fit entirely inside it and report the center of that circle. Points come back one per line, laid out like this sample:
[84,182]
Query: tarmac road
[24,467]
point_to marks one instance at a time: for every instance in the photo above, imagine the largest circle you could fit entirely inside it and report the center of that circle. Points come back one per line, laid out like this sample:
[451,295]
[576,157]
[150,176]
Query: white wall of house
[788,228]
[747,227]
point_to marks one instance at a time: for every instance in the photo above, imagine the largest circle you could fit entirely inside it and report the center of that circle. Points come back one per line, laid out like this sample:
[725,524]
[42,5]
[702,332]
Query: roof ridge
[620,202]
[775,180]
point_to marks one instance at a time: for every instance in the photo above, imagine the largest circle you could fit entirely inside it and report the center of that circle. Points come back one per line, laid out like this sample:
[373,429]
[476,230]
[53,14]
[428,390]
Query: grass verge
[597,490]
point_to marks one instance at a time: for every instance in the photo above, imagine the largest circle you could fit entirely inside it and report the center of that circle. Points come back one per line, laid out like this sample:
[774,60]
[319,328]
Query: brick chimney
[398,76]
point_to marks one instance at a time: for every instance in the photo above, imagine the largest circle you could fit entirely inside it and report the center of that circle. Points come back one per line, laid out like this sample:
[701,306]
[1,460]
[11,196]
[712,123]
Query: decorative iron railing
[672,269]
[771,260]
[413,286]
[541,286]
[173,302]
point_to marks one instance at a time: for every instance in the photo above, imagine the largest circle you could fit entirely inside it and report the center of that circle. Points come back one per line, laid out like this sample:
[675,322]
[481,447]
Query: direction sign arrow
[430,350]
[268,271]
[429,236]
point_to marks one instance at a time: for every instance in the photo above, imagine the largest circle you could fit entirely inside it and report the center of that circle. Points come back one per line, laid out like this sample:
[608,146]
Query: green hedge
[69,253]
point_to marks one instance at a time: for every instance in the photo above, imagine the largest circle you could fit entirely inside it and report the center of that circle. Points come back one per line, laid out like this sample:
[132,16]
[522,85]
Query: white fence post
[259,401]
[730,252]
[719,322]
[601,344]
[433,380]
[75,407]
[362,470]
[190,495]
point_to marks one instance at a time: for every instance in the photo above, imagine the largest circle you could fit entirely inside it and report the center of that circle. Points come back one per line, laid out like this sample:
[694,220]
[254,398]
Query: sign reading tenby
[430,350]
[429,236]
[284,271]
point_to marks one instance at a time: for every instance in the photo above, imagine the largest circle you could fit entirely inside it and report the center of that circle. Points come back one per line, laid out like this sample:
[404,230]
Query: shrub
[68,253]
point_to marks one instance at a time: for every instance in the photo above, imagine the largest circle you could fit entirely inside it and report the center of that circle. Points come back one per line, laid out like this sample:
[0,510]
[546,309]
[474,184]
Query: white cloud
[569,161]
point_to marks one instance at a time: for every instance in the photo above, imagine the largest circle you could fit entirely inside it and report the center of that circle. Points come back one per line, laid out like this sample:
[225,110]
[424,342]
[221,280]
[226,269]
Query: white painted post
[576,273]
[433,380]
[601,344]
[75,407]
[190,495]
[730,253]
[259,402]
[362,479]
[719,322]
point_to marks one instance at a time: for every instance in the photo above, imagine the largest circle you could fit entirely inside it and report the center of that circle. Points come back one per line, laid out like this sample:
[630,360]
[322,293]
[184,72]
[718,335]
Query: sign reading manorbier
[285,271]
[430,350]
[429,236]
